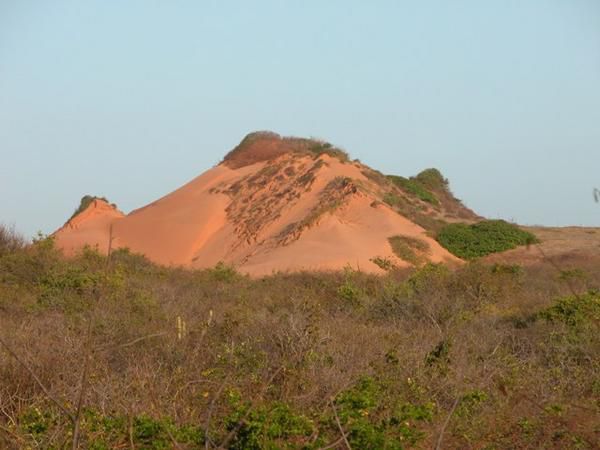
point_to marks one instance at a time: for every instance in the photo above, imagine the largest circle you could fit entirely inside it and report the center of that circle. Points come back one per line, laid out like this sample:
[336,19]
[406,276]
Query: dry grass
[265,145]
[196,359]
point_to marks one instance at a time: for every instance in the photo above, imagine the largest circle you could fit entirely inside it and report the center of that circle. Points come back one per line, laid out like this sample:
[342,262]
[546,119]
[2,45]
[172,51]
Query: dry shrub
[181,358]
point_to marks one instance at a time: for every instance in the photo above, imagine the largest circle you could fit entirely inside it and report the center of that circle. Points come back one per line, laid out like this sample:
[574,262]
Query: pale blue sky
[131,99]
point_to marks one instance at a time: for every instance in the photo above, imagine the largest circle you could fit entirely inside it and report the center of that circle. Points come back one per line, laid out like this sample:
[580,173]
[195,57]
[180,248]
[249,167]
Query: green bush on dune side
[415,187]
[432,179]
[483,238]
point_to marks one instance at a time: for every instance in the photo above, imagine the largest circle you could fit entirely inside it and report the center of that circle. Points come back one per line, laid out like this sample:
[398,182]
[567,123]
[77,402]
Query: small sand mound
[90,226]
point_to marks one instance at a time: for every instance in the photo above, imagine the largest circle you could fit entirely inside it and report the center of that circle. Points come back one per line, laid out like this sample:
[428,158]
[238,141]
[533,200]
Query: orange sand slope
[269,206]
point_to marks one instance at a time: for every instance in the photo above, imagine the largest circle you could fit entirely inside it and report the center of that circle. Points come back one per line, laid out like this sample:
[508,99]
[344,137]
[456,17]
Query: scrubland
[115,352]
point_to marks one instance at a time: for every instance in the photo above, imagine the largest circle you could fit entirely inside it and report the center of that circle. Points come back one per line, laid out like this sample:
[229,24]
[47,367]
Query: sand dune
[270,206]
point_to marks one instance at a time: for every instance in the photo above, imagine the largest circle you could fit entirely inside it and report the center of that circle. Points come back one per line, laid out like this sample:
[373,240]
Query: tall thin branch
[82,386]
[438,445]
[339,424]
[207,440]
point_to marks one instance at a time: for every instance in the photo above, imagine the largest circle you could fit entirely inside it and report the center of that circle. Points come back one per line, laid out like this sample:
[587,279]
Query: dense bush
[432,179]
[575,310]
[482,238]
[487,356]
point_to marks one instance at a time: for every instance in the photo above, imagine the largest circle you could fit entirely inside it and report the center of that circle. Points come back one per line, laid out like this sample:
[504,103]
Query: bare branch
[207,440]
[15,436]
[51,397]
[438,445]
[333,444]
[339,424]
[130,343]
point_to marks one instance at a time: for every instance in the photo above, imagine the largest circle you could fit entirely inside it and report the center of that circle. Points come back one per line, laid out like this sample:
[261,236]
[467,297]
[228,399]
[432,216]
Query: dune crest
[273,204]
[89,227]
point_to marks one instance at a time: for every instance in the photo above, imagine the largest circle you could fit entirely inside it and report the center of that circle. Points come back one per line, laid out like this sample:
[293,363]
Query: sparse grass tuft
[383,263]
[409,249]
[319,148]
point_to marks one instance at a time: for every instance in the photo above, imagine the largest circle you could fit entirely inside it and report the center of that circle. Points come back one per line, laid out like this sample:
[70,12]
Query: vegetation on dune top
[319,148]
[482,238]
[86,201]
[266,145]
[423,186]
[432,179]
[425,198]
[503,356]
[415,187]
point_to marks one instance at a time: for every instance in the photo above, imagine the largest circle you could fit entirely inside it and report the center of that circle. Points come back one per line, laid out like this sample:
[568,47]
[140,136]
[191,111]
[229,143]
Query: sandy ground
[565,246]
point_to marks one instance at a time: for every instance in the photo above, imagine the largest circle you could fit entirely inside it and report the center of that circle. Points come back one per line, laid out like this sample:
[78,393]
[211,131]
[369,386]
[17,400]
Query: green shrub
[483,238]
[574,311]
[372,424]
[470,402]
[349,291]
[432,179]
[392,199]
[440,354]
[224,272]
[429,275]
[415,187]
[37,422]
[270,426]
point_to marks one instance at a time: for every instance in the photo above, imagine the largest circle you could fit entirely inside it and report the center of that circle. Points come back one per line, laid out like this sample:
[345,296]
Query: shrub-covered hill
[126,354]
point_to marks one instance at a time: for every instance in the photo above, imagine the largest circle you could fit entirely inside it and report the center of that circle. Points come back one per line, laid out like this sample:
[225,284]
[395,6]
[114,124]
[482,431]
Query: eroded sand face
[294,212]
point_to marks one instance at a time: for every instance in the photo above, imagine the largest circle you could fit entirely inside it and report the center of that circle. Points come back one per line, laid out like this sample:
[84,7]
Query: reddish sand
[262,217]
[90,227]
